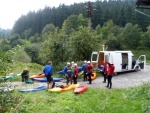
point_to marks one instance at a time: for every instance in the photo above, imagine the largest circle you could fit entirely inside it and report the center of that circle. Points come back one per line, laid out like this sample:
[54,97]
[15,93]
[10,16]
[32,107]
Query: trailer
[122,60]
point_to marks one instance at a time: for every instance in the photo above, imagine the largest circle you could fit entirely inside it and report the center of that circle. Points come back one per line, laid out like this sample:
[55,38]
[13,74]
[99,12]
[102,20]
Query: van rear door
[142,61]
[94,59]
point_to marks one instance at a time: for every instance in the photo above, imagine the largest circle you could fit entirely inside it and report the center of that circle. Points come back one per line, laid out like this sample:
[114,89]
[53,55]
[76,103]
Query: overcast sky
[11,10]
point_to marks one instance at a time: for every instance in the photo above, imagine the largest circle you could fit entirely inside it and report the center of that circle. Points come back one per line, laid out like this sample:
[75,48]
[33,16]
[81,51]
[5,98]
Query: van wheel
[137,69]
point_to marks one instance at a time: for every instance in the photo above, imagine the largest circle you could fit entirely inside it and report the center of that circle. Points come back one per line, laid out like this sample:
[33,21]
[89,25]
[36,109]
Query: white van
[123,60]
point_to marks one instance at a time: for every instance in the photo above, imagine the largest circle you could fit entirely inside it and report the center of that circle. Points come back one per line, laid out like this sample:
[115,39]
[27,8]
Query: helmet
[85,61]
[75,64]
[68,63]
[88,62]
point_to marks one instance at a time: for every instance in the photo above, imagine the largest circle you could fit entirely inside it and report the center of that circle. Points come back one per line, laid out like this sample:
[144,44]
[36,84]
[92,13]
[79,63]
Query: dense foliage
[120,11]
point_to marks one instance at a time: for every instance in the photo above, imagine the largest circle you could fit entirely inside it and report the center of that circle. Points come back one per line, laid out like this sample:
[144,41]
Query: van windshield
[94,57]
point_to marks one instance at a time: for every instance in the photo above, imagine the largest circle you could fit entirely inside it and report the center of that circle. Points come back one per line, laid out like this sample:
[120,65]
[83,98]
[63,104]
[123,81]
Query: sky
[11,10]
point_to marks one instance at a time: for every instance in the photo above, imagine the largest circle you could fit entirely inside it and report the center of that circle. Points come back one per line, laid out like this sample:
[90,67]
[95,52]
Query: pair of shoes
[106,86]
[89,83]
[104,81]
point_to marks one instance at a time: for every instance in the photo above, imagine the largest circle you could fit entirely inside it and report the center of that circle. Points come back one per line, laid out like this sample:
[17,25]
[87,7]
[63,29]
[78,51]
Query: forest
[61,34]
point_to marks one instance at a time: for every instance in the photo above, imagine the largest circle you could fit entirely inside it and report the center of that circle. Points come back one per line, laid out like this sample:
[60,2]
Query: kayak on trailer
[80,89]
[45,80]
[64,88]
[33,89]
[38,76]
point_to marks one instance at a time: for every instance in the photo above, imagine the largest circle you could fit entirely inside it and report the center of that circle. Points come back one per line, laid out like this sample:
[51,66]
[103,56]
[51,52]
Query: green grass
[148,62]
[131,100]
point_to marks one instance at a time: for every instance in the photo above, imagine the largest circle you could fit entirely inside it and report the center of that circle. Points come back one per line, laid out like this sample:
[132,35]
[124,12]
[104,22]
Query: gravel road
[122,80]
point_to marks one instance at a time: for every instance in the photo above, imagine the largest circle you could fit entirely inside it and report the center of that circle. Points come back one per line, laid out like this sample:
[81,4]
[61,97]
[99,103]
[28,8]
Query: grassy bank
[131,100]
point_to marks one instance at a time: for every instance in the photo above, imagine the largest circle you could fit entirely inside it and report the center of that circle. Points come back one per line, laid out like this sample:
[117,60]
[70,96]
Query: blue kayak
[62,71]
[45,80]
[33,89]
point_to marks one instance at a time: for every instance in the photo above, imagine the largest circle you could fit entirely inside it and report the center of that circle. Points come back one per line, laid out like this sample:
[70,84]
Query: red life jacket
[111,70]
[89,69]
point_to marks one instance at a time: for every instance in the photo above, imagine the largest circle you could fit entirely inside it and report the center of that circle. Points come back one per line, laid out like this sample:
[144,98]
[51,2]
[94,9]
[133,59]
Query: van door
[116,58]
[94,59]
[142,61]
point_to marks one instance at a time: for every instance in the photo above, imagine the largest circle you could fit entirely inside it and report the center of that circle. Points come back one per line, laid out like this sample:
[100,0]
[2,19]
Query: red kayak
[38,76]
[80,89]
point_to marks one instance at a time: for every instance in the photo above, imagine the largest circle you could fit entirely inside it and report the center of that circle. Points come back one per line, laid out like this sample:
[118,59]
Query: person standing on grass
[84,70]
[68,73]
[110,73]
[89,71]
[48,71]
[75,74]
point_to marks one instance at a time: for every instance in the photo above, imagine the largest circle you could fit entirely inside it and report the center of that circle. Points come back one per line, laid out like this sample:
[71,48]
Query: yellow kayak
[66,88]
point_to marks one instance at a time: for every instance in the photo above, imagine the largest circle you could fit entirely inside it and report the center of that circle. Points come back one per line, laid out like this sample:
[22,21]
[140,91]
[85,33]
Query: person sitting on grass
[25,75]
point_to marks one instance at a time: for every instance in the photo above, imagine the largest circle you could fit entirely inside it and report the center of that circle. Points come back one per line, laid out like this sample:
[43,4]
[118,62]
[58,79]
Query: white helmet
[88,62]
[85,61]
[75,64]
[68,63]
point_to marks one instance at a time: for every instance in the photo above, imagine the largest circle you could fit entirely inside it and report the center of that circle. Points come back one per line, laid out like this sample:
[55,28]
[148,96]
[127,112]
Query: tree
[145,39]
[83,43]
[131,36]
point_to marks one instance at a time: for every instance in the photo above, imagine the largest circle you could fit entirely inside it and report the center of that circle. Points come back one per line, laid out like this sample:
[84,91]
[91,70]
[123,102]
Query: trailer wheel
[136,69]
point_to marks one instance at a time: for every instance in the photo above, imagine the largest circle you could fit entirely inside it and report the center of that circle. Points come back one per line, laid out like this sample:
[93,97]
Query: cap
[88,62]
[72,62]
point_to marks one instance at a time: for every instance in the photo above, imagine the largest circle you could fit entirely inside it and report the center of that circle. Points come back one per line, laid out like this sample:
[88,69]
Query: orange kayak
[93,76]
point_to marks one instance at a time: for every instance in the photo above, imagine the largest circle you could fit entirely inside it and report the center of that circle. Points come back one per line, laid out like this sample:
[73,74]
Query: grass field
[131,100]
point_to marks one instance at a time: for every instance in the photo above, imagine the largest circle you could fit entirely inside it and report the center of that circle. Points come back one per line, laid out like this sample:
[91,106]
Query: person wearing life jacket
[89,71]
[25,75]
[84,70]
[68,72]
[110,73]
[105,70]
[75,74]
